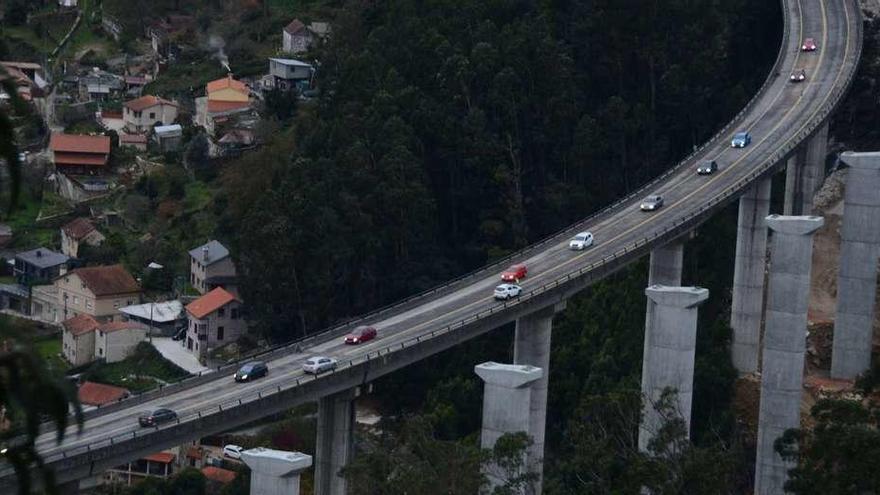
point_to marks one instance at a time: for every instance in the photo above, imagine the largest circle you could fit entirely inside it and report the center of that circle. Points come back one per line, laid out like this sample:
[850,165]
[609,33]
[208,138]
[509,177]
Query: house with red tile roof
[99,394]
[141,114]
[297,37]
[158,465]
[78,154]
[98,291]
[225,97]
[79,231]
[214,320]
[78,339]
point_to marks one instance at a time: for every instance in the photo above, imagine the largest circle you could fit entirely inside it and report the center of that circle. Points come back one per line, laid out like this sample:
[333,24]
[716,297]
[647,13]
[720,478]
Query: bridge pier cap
[275,472]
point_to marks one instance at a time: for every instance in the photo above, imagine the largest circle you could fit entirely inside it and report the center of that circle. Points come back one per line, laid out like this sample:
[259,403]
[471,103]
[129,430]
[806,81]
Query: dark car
[707,168]
[251,371]
[515,273]
[798,76]
[360,334]
[157,417]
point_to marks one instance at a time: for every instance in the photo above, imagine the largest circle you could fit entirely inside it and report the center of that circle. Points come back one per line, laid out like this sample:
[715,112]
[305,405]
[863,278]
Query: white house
[139,115]
[297,37]
[287,73]
[115,341]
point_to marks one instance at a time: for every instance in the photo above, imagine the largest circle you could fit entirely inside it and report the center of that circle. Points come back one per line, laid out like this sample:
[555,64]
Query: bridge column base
[782,366]
[335,445]
[275,472]
[507,399]
[857,279]
[670,345]
[804,174]
[748,277]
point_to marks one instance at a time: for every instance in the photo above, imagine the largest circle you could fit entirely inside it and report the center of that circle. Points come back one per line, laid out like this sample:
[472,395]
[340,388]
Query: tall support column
[532,347]
[782,367]
[804,174]
[507,395]
[275,472]
[857,279]
[748,276]
[666,263]
[335,442]
[668,360]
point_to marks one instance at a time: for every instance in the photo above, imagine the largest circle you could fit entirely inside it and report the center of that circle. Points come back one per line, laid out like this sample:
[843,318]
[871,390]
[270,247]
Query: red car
[809,45]
[360,334]
[515,273]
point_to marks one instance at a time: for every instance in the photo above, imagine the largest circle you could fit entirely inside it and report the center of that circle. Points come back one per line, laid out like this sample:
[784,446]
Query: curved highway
[779,118]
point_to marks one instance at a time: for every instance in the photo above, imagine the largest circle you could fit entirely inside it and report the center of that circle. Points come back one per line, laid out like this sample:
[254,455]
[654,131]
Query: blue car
[741,139]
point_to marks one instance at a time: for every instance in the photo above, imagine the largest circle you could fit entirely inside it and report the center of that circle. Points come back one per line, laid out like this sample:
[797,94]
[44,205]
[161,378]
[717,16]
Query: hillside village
[127,131]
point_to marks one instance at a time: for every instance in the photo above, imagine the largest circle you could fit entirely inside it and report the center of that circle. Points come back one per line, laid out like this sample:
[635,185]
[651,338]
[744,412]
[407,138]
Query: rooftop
[160,457]
[210,302]
[107,280]
[98,394]
[210,253]
[78,228]
[295,26]
[226,82]
[215,106]
[42,257]
[145,102]
[80,324]
[218,474]
[115,326]
[168,130]
[74,143]
[162,312]
[133,138]
[290,62]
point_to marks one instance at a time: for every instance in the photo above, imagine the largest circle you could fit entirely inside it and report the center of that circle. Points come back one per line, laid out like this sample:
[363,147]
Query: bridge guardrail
[608,263]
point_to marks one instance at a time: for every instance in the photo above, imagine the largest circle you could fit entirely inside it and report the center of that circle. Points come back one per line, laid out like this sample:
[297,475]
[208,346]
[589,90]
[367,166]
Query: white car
[505,291]
[233,451]
[319,364]
[581,241]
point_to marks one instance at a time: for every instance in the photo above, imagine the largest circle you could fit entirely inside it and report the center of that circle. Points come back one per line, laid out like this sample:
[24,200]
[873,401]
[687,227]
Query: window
[75,300]
[100,351]
[89,304]
[219,333]
[100,333]
[115,304]
[233,313]
[152,115]
[221,312]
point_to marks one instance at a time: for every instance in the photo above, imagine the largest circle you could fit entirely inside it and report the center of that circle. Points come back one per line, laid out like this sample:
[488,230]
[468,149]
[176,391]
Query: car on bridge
[651,203]
[360,335]
[798,76]
[741,140]
[515,273]
[251,371]
[708,167]
[157,416]
[319,364]
[581,241]
[506,291]
[809,45]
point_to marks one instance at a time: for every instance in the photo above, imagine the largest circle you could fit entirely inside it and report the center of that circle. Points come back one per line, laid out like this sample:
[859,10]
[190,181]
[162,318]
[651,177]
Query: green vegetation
[138,372]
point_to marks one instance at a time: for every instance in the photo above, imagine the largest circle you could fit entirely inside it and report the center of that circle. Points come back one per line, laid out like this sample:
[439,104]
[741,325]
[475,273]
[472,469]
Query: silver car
[319,364]
[651,203]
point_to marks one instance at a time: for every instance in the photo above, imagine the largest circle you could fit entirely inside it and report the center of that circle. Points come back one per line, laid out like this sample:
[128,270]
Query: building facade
[215,320]
[98,291]
[141,114]
[115,341]
[79,231]
[210,261]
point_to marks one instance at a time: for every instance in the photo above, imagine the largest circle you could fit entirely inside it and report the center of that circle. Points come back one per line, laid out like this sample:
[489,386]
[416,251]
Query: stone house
[215,319]
[209,263]
[141,114]
[98,291]
[79,231]
[116,340]
[78,339]
[297,37]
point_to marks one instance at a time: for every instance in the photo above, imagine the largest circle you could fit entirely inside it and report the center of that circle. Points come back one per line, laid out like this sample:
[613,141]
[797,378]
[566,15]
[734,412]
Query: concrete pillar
[804,174]
[532,347]
[507,397]
[782,367]
[335,442]
[668,360]
[857,279]
[748,276]
[275,472]
[666,263]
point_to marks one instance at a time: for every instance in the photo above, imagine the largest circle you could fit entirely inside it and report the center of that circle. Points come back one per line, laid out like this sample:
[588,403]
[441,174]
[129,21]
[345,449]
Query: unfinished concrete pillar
[666,263]
[532,347]
[275,472]
[668,360]
[748,276]
[782,364]
[506,405]
[335,445]
[857,279]
[804,174]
